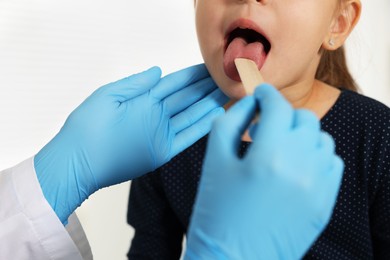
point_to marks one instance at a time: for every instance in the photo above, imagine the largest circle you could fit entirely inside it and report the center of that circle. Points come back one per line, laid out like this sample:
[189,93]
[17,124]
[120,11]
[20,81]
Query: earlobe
[342,24]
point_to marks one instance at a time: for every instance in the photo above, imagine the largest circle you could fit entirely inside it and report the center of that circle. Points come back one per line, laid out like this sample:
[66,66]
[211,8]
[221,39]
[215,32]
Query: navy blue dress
[160,203]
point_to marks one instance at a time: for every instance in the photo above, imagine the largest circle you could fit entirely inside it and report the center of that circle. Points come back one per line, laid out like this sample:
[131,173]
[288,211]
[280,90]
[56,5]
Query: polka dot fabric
[160,203]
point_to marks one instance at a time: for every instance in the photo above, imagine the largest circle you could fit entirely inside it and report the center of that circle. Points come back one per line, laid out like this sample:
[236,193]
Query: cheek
[311,29]
[298,41]
[209,15]
[232,89]
[207,28]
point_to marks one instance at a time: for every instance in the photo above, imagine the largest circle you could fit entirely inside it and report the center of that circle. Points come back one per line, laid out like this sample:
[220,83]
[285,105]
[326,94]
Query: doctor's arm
[123,130]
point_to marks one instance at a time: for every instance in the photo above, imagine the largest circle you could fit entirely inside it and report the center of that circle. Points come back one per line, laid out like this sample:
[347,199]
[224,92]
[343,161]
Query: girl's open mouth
[244,40]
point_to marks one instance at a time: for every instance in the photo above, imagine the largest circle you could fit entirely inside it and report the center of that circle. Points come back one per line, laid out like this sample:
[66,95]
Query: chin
[233,89]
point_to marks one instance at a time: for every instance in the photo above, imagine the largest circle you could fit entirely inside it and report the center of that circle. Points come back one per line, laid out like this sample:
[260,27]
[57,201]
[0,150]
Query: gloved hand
[274,202]
[126,129]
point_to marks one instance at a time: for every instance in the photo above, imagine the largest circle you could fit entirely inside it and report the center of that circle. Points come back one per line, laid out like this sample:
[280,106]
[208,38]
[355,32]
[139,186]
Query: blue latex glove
[274,202]
[126,129]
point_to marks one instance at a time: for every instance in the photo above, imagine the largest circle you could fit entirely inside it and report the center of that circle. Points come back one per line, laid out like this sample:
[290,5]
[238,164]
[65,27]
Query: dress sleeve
[380,207]
[380,217]
[158,232]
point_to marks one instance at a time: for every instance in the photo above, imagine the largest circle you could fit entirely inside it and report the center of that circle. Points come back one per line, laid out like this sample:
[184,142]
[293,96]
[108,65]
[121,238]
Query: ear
[342,25]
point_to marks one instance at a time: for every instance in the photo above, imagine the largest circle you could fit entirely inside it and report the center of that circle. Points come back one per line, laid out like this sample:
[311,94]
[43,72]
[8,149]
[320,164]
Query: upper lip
[243,23]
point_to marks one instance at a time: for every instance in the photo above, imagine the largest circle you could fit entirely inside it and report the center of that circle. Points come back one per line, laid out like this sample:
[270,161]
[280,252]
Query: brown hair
[333,70]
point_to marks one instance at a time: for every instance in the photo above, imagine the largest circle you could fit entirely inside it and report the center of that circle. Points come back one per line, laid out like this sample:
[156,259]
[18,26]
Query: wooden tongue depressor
[249,74]
[250,77]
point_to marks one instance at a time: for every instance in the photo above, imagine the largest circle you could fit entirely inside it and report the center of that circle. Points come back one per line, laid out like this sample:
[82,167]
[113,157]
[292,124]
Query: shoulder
[361,100]
[358,111]
[360,126]
[359,122]
[362,104]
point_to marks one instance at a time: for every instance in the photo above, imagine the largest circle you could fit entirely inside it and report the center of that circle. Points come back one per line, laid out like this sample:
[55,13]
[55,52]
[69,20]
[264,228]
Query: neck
[302,94]
[315,96]
[318,97]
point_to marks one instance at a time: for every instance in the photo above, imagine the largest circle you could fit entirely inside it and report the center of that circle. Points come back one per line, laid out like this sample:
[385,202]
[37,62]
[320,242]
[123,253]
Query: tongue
[239,48]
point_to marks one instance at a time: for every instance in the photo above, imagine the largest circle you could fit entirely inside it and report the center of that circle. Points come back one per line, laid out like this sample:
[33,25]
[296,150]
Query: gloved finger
[226,133]
[132,86]
[327,151]
[304,117]
[307,127]
[331,181]
[180,79]
[187,96]
[276,113]
[336,174]
[198,110]
[195,131]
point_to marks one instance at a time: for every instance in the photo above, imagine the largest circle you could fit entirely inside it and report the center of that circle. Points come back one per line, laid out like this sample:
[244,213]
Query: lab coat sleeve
[29,228]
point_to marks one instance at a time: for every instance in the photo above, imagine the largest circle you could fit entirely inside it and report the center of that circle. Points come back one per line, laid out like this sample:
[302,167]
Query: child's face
[294,31]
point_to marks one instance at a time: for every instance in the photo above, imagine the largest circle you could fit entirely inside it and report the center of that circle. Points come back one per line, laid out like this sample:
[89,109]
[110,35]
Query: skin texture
[297,31]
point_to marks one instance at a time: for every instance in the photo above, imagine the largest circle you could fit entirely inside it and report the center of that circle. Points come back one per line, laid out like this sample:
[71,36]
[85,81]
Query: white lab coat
[29,228]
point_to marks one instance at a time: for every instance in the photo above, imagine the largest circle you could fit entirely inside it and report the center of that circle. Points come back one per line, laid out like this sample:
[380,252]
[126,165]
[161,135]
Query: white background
[53,54]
